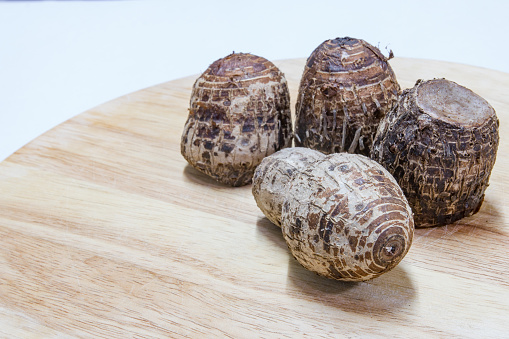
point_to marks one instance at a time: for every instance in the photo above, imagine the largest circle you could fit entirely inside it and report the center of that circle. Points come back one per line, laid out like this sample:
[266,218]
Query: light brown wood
[106,232]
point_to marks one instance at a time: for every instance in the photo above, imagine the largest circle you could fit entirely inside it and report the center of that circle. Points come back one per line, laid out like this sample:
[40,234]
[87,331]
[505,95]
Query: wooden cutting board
[106,232]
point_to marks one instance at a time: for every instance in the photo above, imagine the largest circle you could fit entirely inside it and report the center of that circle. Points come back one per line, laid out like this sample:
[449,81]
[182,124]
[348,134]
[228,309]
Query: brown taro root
[239,113]
[346,88]
[271,178]
[440,143]
[343,216]
[346,218]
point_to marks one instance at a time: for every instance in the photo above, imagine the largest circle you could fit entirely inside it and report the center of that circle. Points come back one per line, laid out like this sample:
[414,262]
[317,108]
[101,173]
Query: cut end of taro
[457,105]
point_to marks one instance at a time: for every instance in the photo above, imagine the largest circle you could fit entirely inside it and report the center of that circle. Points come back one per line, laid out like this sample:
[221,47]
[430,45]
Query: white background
[60,58]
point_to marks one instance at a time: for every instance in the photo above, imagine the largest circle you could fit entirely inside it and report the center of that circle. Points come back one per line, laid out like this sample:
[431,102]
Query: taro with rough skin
[239,113]
[343,216]
[346,88]
[440,143]
[273,174]
[346,218]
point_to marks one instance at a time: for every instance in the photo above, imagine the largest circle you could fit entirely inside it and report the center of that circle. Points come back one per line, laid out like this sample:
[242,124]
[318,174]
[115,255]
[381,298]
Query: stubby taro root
[440,144]
[346,218]
[271,178]
[346,88]
[239,113]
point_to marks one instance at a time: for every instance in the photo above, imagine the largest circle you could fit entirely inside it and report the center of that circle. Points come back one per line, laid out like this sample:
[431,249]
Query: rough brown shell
[346,218]
[440,143]
[271,178]
[239,113]
[346,88]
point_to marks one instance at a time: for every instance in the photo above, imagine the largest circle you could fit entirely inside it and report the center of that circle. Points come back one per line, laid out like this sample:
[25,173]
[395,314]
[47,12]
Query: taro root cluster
[346,88]
[343,215]
[239,113]
[440,143]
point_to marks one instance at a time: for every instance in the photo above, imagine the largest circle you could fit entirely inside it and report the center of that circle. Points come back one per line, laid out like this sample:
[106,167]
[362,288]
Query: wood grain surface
[106,232]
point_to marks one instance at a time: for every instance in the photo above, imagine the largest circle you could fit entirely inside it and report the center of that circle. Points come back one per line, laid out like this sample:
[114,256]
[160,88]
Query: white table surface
[60,58]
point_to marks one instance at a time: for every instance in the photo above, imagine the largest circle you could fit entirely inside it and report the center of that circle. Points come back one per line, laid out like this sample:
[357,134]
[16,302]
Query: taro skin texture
[346,88]
[346,218]
[271,178]
[239,113]
[440,143]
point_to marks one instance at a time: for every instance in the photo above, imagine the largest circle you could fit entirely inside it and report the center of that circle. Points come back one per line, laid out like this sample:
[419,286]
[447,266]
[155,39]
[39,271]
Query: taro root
[239,113]
[271,178]
[440,143]
[346,218]
[346,88]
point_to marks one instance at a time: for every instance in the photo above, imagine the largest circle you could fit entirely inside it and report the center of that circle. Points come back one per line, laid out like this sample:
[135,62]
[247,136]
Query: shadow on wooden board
[380,296]
[272,232]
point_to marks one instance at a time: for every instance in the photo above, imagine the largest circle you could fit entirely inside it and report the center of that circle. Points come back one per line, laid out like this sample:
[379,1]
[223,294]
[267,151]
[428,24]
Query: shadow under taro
[488,220]
[272,232]
[197,177]
[388,294]
[472,248]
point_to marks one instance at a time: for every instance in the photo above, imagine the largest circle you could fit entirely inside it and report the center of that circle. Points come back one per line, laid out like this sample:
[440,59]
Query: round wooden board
[105,231]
